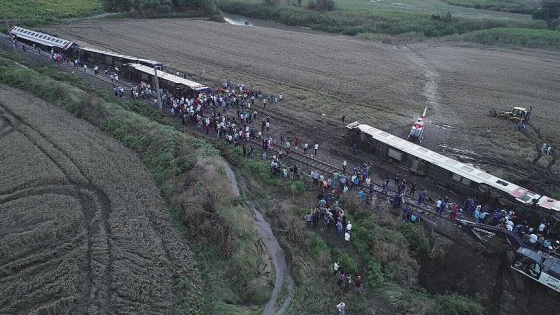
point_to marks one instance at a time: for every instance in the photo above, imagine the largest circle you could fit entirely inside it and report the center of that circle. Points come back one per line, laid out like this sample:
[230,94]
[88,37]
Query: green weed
[513,36]
[48,11]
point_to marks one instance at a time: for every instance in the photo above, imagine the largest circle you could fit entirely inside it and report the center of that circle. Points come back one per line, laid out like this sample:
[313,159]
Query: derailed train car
[41,41]
[178,85]
[134,68]
[447,172]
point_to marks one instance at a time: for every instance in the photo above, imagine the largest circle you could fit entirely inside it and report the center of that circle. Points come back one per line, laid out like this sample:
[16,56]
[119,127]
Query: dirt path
[283,276]
[282,272]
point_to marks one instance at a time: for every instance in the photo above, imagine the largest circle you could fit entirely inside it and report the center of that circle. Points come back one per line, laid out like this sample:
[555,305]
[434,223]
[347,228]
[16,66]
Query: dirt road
[283,277]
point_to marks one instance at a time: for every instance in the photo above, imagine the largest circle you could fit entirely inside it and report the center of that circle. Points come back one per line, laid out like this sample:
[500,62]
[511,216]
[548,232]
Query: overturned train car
[456,176]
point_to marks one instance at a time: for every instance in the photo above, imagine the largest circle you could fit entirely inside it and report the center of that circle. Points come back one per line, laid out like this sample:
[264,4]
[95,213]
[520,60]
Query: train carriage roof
[467,171]
[172,78]
[41,38]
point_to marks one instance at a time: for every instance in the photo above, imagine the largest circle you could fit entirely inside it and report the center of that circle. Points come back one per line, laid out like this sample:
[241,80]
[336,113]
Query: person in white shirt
[335,267]
[341,308]
[533,239]
[348,226]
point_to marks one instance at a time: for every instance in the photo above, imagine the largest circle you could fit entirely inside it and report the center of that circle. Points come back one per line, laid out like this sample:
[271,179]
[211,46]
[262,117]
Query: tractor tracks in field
[95,204]
[431,83]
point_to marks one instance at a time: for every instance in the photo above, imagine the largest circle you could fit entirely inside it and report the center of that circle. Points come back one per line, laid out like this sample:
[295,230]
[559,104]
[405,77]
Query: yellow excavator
[516,114]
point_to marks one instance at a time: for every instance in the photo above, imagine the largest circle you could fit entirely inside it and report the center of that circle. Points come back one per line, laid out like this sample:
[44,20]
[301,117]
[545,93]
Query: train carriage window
[451,162]
[484,175]
[467,168]
[457,177]
[466,182]
[397,155]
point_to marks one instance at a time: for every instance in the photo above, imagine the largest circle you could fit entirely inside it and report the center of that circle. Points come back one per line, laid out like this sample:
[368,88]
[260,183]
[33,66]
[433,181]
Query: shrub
[298,187]
[374,274]
[455,304]
[417,238]
[322,5]
[318,246]
[347,264]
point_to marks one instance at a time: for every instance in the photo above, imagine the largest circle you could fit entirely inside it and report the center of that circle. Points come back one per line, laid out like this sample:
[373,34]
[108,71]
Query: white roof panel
[170,77]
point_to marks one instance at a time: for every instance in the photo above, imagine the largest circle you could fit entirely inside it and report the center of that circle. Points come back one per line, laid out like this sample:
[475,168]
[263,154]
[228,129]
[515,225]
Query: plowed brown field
[83,229]
[384,85]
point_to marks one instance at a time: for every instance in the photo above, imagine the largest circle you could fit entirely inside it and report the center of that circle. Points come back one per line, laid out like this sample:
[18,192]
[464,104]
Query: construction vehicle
[541,266]
[516,114]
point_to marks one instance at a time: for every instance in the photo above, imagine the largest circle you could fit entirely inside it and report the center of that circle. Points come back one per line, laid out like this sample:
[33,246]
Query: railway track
[309,163]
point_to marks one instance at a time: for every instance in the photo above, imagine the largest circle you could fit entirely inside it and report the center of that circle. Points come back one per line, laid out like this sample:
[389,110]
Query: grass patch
[513,36]
[38,11]
[455,304]
[353,21]
[513,6]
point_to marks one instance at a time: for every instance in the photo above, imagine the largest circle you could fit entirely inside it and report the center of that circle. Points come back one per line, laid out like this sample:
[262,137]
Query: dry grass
[83,227]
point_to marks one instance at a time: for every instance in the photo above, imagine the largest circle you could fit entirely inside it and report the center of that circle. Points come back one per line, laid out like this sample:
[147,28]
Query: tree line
[208,7]
[550,12]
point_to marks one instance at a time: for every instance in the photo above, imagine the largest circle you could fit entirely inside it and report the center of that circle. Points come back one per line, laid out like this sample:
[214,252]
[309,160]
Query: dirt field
[83,227]
[383,85]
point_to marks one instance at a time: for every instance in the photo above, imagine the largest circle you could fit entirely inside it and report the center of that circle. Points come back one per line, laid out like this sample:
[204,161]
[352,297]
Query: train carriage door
[418,166]
[422,166]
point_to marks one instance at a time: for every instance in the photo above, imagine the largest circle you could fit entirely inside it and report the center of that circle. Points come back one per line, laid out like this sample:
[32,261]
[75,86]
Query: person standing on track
[412,189]
[316,147]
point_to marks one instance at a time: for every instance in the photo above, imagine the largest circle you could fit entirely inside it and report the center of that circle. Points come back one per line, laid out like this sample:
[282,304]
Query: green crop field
[514,6]
[407,20]
[458,8]
[43,10]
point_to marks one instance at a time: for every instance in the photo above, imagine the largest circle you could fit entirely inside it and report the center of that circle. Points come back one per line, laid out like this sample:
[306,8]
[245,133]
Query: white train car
[446,171]
[41,40]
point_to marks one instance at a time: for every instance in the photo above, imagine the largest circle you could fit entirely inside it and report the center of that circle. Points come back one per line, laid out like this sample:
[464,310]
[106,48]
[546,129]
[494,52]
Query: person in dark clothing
[412,189]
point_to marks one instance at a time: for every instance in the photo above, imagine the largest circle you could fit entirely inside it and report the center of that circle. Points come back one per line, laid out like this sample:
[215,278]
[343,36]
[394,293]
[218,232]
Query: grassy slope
[44,9]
